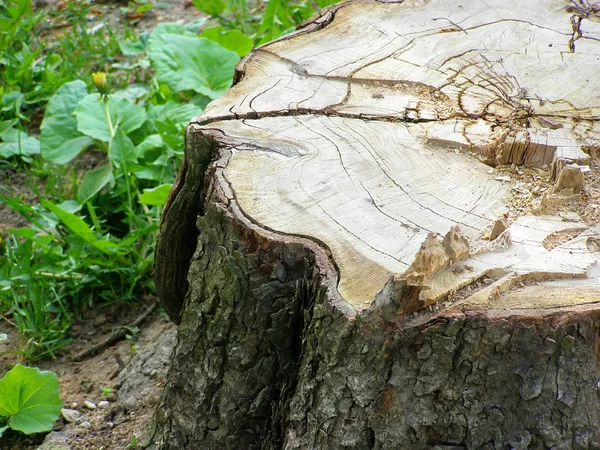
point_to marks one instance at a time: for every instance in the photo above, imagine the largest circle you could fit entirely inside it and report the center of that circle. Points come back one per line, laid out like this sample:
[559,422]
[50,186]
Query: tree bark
[385,236]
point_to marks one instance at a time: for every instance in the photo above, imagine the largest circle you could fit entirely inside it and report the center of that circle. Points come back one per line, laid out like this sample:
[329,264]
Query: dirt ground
[126,377]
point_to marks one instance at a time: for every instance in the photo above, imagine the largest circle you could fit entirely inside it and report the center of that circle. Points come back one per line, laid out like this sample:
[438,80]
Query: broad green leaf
[210,7]
[169,28]
[92,119]
[177,113]
[3,429]
[30,399]
[81,229]
[27,233]
[17,143]
[196,25]
[121,150]
[233,40]
[60,140]
[6,125]
[131,48]
[135,91]
[149,143]
[157,196]
[13,101]
[190,63]
[94,181]
[72,206]
[155,173]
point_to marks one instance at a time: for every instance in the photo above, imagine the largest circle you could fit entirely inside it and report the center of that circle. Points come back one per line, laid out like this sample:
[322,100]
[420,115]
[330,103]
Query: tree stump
[385,236]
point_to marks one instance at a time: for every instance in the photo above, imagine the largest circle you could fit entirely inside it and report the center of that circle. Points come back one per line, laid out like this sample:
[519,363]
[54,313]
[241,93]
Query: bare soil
[118,375]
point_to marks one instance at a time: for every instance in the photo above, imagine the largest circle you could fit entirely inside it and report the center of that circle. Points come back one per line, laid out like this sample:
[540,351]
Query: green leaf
[182,114]
[131,48]
[72,206]
[92,119]
[149,143]
[196,25]
[17,143]
[135,91]
[275,20]
[157,196]
[121,150]
[325,3]
[60,140]
[233,40]
[210,7]
[6,125]
[143,8]
[3,337]
[81,229]
[94,181]
[185,62]
[30,399]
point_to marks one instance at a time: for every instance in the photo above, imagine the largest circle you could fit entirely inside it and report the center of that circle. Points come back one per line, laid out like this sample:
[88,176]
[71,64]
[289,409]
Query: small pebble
[569,215]
[111,397]
[85,424]
[103,403]
[71,415]
[89,405]
[74,405]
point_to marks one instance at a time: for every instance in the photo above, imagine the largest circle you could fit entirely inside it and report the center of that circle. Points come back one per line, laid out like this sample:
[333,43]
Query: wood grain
[374,129]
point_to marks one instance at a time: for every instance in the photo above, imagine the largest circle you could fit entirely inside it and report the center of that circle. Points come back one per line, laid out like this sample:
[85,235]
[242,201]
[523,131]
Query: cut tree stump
[386,236]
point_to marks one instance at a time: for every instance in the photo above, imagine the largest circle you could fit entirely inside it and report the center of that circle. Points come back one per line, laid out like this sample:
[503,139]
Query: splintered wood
[385,131]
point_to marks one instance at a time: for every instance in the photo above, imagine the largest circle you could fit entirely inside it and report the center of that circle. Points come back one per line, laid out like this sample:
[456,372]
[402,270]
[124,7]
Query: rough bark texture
[241,340]
[351,263]
[459,381]
[265,361]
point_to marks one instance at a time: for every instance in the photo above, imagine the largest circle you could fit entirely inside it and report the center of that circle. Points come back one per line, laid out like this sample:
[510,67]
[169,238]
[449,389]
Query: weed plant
[127,98]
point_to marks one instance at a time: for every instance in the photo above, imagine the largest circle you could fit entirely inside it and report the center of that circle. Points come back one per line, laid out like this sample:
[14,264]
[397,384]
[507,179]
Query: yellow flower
[100,82]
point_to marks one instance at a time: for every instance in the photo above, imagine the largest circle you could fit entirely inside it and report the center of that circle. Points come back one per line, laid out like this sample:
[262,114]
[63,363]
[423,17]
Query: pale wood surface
[380,128]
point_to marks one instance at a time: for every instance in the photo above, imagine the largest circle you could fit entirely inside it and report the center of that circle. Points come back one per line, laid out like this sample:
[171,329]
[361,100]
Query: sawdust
[529,185]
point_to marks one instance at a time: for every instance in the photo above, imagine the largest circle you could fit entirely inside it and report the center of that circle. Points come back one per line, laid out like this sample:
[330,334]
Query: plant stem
[59,276]
[108,119]
[93,216]
[8,321]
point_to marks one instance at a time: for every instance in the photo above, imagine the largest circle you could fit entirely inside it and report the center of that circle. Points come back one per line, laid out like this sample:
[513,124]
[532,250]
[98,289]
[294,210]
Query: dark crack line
[576,26]
[410,196]
[314,113]
[315,91]
[335,145]
[370,63]
[262,93]
[336,221]
[320,243]
[434,31]
[453,23]
[415,227]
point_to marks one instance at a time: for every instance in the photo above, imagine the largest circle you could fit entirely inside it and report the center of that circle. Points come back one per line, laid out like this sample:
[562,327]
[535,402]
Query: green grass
[91,236]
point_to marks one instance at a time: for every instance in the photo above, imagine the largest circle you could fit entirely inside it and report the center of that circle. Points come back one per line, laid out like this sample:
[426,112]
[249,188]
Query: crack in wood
[481,99]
